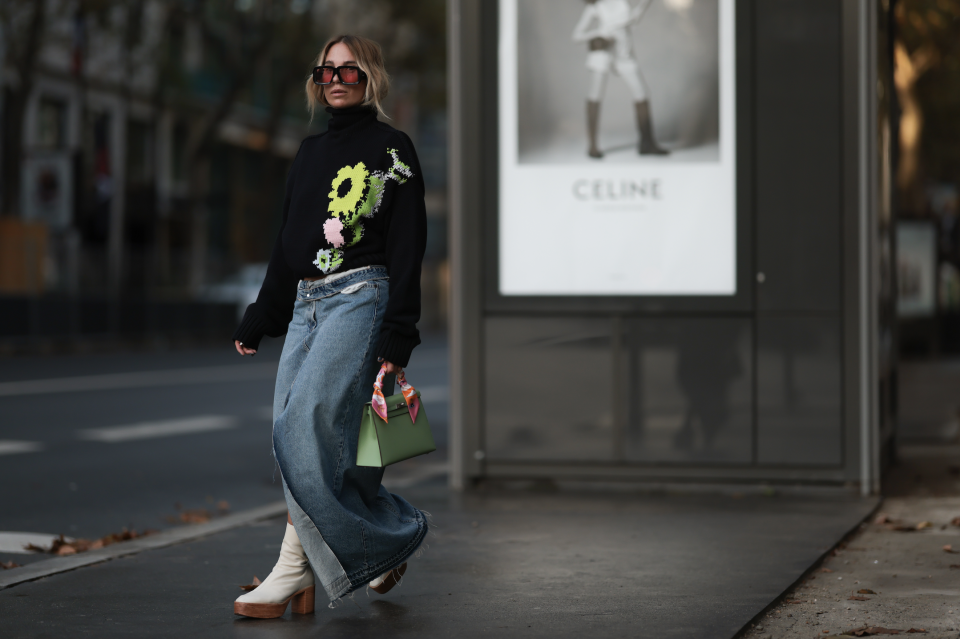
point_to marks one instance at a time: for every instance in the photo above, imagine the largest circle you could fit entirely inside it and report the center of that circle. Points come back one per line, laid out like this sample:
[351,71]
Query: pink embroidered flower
[332,231]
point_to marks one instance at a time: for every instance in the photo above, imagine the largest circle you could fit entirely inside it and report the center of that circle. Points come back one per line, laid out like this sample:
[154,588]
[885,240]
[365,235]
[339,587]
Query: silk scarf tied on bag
[379,402]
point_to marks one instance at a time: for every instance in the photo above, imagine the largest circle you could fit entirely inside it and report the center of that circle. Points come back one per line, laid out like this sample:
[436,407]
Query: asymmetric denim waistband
[307,290]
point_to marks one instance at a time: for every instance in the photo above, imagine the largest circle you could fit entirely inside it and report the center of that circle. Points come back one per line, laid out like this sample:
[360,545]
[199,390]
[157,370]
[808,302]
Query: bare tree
[239,40]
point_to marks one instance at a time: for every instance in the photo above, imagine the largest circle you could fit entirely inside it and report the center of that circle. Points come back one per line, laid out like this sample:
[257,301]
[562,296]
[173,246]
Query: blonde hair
[369,58]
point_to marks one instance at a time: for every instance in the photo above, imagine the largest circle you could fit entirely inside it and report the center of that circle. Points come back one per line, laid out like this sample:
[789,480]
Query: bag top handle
[379,402]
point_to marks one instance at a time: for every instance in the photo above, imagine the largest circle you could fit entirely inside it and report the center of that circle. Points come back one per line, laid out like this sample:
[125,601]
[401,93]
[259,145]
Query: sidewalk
[501,563]
[912,581]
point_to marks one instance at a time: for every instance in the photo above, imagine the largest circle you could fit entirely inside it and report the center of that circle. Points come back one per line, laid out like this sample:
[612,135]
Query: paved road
[91,444]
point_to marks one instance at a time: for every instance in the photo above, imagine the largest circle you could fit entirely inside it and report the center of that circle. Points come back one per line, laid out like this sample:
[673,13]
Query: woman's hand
[243,350]
[392,368]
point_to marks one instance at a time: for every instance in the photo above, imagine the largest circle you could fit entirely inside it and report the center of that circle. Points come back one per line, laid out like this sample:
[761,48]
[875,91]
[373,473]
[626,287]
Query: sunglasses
[348,75]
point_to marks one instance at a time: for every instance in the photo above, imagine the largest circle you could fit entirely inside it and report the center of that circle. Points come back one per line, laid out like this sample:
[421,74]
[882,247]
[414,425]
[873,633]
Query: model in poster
[605,27]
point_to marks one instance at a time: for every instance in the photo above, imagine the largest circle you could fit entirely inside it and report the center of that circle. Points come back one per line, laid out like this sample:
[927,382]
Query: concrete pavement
[502,562]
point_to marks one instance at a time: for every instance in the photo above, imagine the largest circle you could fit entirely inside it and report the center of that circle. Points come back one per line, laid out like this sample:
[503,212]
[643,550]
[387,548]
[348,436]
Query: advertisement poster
[617,147]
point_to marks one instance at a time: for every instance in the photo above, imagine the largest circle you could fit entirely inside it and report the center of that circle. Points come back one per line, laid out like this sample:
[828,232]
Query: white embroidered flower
[324,260]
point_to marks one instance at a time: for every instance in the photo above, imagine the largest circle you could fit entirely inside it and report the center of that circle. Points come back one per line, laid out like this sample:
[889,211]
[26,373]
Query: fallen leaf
[867,631]
[866,591]
[949,548]
[884,518]
[7,565]
[195,516]
[902,528]
[792,601]
[256,582]
[825,570]
[914,630]
[957,566]
[955,521]
[924,524]
[857,598]
[62,547]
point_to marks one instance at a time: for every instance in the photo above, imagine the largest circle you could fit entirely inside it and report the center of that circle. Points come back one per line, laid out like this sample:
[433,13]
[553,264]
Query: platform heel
[388,580]
[304,601]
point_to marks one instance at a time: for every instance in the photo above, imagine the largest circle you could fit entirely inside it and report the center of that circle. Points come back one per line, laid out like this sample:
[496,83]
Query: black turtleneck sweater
[354,198]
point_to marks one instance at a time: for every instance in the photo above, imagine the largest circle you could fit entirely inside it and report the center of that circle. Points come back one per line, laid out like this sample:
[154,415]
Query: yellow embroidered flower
[347,204]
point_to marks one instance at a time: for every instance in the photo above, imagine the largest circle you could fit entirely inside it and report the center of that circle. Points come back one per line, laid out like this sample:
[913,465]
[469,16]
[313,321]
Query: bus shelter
[664,241]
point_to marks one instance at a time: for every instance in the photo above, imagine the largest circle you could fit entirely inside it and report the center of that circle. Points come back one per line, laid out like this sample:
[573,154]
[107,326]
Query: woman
[344,285]
[605,26]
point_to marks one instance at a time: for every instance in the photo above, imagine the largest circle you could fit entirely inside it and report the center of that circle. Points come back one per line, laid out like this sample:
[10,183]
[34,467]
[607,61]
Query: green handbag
[393,428]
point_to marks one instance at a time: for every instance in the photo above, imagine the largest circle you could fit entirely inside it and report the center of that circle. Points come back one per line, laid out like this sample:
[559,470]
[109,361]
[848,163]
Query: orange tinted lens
[349,75]
[326,74]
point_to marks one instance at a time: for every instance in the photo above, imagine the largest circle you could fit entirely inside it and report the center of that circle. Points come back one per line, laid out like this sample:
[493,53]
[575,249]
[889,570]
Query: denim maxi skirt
[351,528]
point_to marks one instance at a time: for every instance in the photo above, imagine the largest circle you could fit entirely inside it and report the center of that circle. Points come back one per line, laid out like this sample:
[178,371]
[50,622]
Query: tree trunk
[15,106]
[199,153]
[908,69]
[199,171]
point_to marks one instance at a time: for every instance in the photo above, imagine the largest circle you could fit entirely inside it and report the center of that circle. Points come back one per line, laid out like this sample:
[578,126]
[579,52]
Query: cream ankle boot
[290,579]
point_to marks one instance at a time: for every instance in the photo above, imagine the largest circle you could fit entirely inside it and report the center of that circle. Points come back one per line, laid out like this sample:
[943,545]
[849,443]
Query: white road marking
[14,542]
[12,447]
[175,535]
[144,379]
[165,428]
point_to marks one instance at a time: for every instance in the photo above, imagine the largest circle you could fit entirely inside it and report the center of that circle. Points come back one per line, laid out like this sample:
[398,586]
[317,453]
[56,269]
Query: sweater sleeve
[406,241]
[272,311]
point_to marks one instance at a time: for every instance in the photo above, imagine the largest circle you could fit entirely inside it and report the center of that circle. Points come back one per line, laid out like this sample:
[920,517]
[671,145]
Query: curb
[878,502]
[48,567]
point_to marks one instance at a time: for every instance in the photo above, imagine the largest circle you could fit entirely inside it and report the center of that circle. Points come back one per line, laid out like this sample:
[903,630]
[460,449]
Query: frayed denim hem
[362,578]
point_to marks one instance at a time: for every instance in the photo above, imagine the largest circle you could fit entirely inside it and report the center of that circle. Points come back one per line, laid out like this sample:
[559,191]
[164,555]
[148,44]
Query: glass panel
[548,389]
[799,391]
[689,391]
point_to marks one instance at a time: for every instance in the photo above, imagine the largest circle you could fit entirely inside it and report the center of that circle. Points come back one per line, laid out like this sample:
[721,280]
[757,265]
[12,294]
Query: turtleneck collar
[341,119]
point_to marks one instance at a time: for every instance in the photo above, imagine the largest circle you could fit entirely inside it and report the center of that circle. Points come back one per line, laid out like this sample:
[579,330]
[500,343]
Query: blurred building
[145,152]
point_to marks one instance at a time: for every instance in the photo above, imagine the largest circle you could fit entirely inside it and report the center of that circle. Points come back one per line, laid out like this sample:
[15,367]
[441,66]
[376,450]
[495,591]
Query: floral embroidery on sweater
[361,200]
